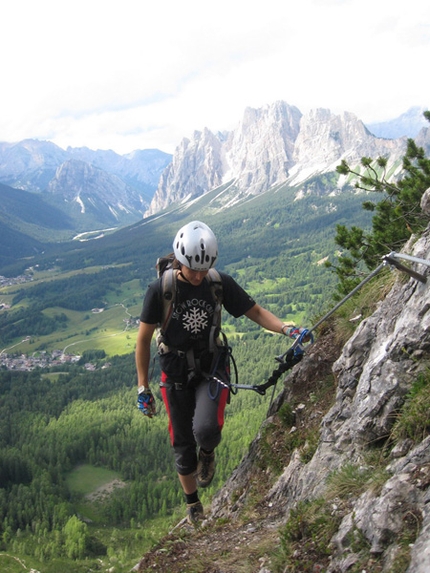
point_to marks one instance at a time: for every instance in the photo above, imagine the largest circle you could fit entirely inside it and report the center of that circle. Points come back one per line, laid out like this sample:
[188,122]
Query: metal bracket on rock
[391,259]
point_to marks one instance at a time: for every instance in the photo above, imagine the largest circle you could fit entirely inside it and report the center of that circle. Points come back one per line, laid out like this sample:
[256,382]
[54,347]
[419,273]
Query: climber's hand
[298,331]
[146,403]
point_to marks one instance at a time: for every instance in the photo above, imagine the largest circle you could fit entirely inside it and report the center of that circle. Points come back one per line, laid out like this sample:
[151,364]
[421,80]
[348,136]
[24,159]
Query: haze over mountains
[90,190]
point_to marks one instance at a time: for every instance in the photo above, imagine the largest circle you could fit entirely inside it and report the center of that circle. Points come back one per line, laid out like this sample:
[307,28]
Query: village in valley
[43,359]
[6,282]
[12,359]
[21,279]
[21,362]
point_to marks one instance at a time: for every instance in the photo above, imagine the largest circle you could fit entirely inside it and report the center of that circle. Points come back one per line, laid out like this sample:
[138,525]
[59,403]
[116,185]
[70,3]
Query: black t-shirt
[191,318]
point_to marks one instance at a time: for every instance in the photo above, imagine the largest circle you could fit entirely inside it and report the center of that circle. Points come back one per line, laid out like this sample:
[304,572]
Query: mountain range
[93,189]
[273,145]
[78,190]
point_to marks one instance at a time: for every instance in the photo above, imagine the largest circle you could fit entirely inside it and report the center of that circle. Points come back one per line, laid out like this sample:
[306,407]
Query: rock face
[89,188]
[324,139]
[259,152]
[270,146]
[255,156]
[196,166]
[374,372]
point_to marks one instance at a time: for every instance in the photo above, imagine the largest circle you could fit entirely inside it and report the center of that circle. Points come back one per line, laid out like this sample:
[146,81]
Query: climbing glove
[146,402]
[296,331]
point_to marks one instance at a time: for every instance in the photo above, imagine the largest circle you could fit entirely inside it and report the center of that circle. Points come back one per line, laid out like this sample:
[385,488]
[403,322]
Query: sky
[140,74]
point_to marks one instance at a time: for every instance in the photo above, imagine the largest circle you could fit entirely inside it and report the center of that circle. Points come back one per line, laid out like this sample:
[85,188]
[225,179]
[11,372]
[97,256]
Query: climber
[192,366]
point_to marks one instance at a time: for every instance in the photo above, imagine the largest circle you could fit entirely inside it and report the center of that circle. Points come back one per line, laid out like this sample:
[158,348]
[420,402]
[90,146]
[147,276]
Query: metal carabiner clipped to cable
[298,346]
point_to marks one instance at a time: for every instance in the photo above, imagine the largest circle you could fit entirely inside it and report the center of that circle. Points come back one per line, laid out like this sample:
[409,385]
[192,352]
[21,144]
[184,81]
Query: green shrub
[414,419]
[305,538]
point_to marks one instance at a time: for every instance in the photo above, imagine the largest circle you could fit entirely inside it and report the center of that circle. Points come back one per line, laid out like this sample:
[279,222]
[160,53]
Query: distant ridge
[408,124]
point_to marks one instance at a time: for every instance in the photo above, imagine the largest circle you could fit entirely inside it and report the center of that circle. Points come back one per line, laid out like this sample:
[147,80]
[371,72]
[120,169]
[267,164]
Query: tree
[397,213]
[75,538]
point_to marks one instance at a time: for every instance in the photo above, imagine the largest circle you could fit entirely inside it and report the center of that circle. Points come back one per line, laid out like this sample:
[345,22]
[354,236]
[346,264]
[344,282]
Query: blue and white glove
[146,402]
[296,331]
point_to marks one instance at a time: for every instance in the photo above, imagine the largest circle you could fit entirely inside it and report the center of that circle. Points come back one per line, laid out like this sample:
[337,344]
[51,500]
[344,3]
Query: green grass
[5,296]
[85,330]
[352,480]
[106,330]
[305,538]
[414,419]
[52,376]
[86,478]
[11,564]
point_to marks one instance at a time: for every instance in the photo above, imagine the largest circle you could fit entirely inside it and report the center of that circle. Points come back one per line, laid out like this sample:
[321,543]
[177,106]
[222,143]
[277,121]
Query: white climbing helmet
[195,246]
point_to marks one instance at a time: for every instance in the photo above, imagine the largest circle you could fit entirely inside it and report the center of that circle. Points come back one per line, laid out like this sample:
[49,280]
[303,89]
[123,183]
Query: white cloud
[132,75]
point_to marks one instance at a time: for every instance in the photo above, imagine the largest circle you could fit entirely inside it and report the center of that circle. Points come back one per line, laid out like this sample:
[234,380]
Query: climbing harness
[295,353]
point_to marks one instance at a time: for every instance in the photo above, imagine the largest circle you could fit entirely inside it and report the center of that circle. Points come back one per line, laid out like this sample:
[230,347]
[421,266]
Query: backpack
[166,269]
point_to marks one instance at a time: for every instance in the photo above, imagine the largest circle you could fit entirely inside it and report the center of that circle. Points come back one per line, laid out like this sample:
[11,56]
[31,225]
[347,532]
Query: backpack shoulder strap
[214,276]
[215,282]
[214,279]
[168,295]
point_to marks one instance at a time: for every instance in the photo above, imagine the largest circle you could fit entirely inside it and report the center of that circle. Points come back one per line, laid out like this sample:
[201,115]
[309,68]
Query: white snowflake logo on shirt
[195,320]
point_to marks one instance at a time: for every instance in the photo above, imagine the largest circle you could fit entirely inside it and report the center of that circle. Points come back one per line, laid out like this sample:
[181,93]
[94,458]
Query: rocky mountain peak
[272,145]
[254,157]
[407,125]
[259,152]
[196,168]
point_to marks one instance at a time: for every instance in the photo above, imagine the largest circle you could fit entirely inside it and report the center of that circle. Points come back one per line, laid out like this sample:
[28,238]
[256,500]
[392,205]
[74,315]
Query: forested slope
[53,423]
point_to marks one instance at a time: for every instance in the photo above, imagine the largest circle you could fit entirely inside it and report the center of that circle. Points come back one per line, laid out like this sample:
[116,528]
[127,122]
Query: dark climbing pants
[196,418]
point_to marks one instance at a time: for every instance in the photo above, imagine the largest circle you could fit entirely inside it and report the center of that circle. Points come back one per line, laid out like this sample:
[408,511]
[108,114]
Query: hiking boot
[205,468]
[195,513]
